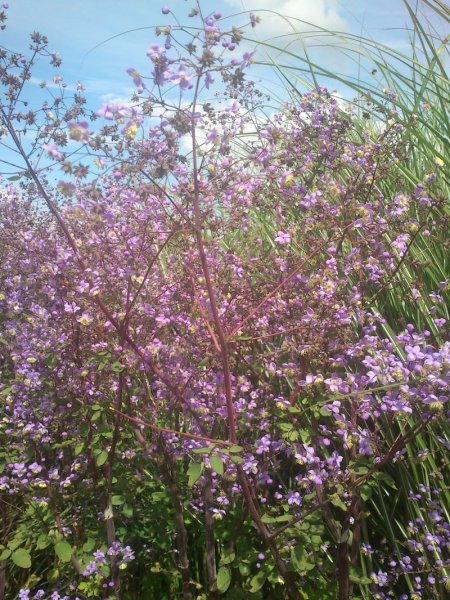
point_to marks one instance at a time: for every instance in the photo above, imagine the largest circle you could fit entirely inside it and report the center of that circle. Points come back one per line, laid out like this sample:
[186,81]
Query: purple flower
[283,238]
[334,461]
[182,78]
[156,52]
[137,79]
[333,383]
[66,188]
[380,578]
[52,150]
[250,464]
[367,549]
[234,107]
[111,111]
[414,353]
[91,569]
[160,76]
[165,10]
[365,447]
[99,557]
[71,307]
[263,444]
[247,59]
[440,322]
[308,457]
[127,554]
[79,131]
[294,498]
[314,477]
[212,135]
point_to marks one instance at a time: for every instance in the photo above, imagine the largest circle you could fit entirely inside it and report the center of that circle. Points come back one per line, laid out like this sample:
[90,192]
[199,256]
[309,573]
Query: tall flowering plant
[192,354]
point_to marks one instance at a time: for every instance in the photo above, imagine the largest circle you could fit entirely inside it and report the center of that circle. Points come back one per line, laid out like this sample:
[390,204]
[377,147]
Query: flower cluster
[200,329]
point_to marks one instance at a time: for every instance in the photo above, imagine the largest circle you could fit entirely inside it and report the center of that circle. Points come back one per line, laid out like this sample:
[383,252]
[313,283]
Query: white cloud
[319,13]
[114,98]
[295,26]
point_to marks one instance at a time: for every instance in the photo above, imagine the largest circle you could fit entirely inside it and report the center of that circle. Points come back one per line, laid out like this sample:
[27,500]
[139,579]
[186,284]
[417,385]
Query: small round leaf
[223,579]
[63,550]
[21,557]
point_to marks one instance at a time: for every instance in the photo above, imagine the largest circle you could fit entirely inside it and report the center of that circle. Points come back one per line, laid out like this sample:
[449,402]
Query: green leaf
[385,478]
[362,470]
[127,510]
[117,500]
[205,450]
[268,519]
[223,579]
[366,492]
[15,543]
[316,541]
[235,449]
[194,472]
[63,551]
[21,557]
[356,577]
[89,545]
[43,541]
[96,416]
[336,501]
[217,464]
[285,426]
[226,558]
[84,429]
[257,582]
[283,519]
[5,554]
[305,436]
[102,458]
[79,448]
[300,559]
[158,496]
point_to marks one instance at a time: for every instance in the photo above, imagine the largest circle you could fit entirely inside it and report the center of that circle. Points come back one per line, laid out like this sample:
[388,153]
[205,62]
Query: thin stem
[231,418]
[223,342]
[396,446]
[210,542]
[182,538]
[192,436]
[271,294]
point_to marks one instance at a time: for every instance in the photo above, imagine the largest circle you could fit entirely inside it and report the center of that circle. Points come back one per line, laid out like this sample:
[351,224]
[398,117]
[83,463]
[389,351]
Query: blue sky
[98,40]
[75,29]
